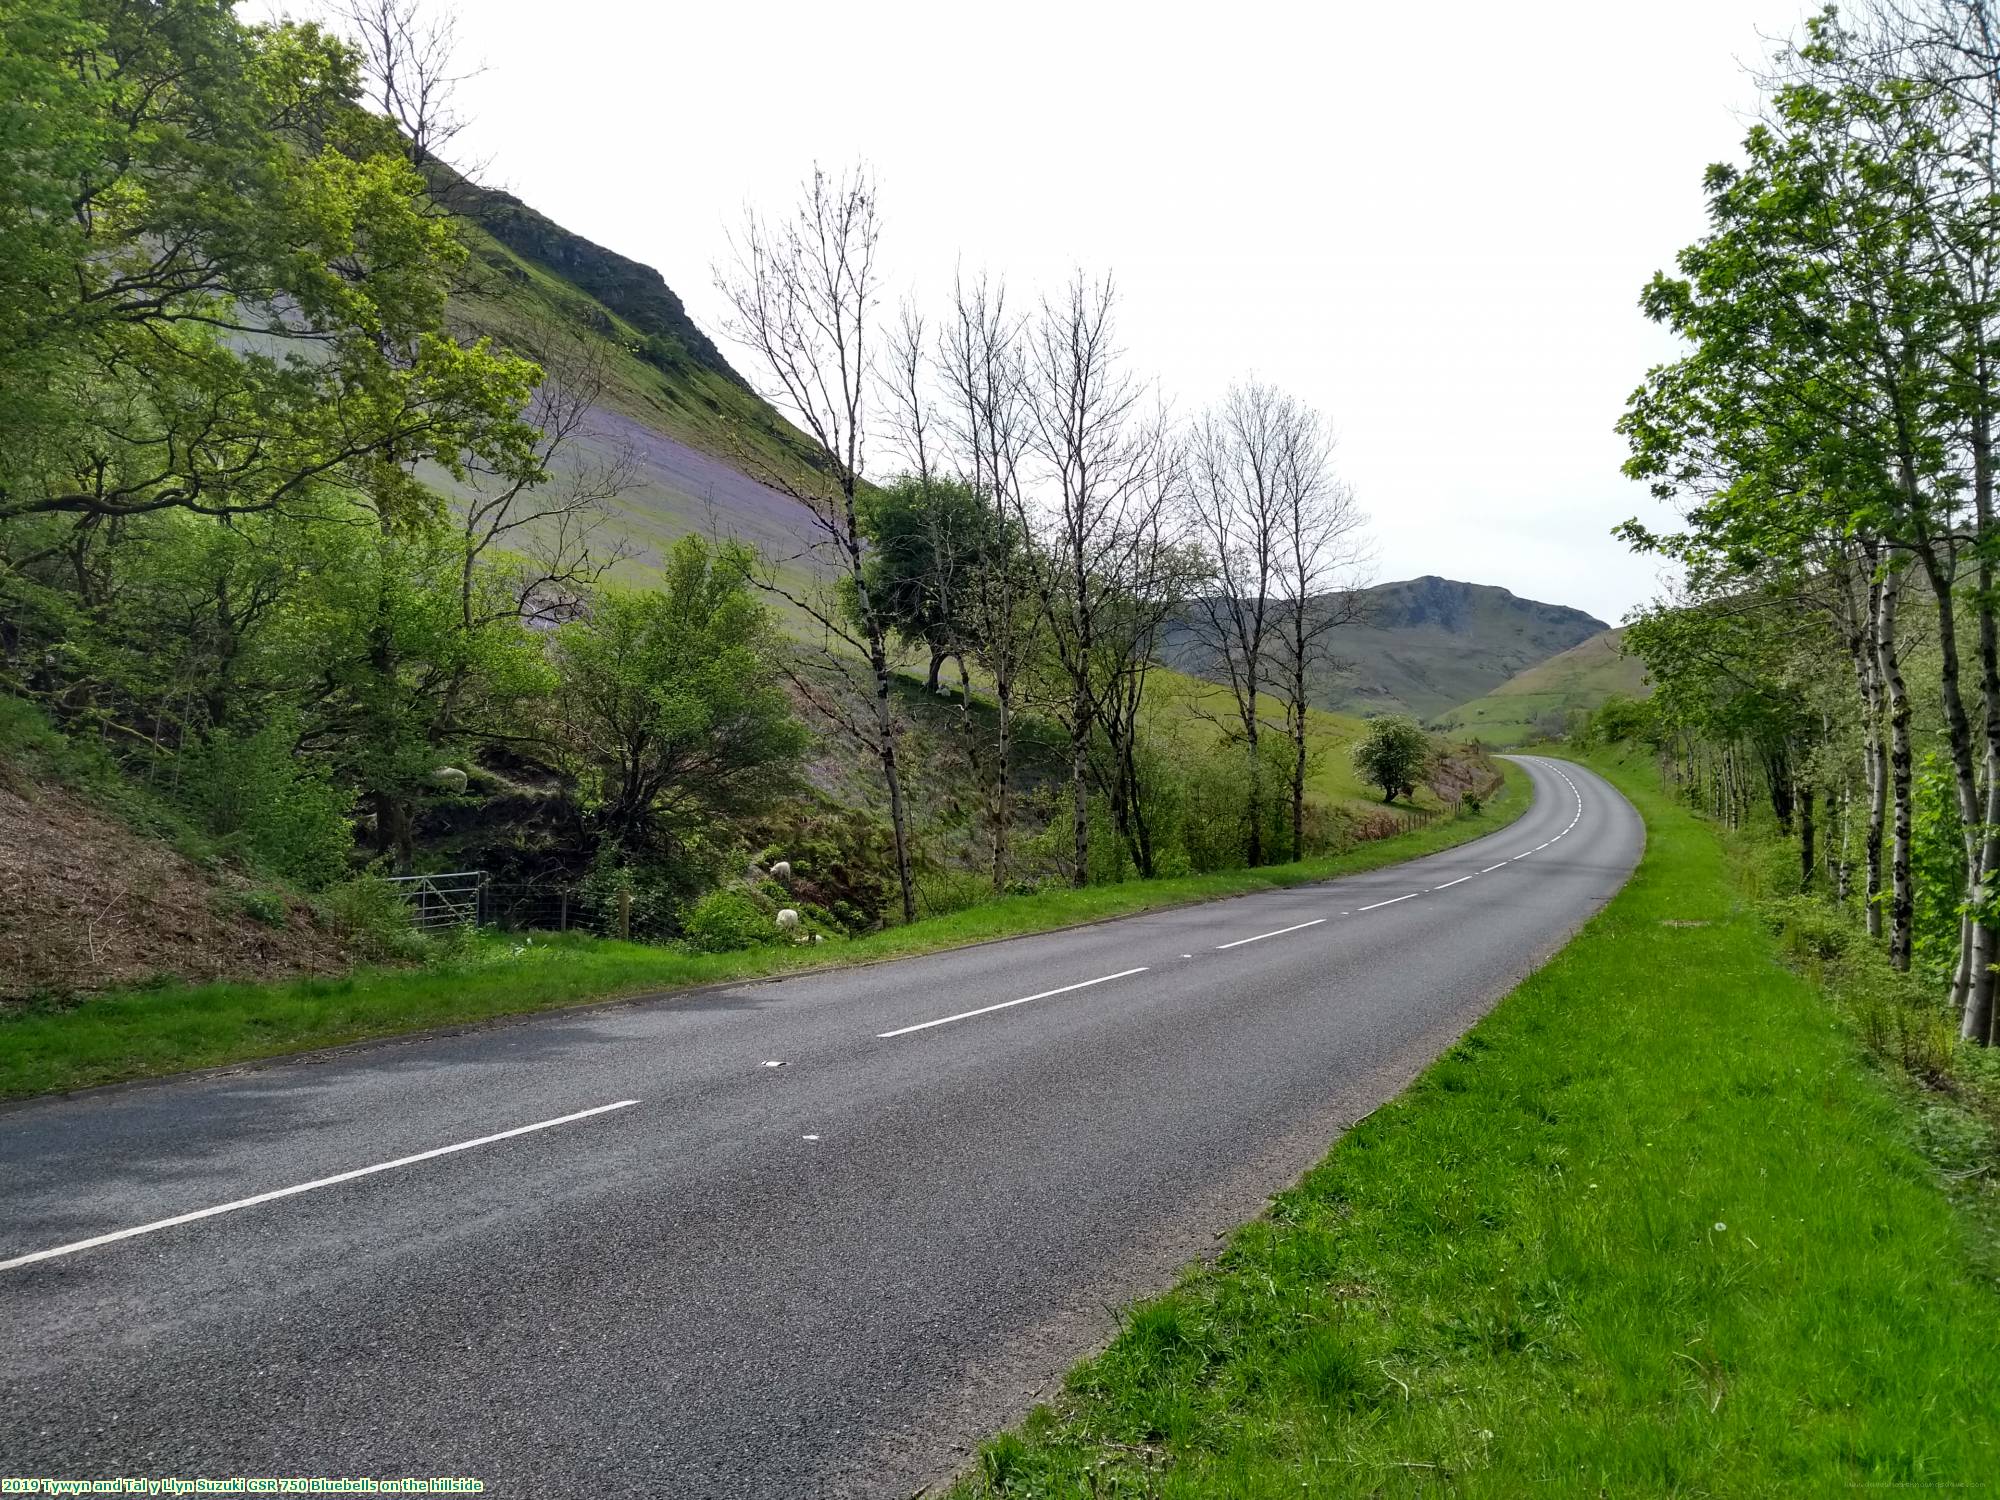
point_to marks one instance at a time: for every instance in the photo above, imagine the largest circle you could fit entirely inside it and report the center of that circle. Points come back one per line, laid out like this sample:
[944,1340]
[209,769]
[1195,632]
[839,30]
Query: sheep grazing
[788,920]
[782,870]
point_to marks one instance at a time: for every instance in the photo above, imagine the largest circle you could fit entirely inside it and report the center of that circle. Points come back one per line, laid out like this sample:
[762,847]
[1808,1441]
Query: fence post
[562,912]
[624,916]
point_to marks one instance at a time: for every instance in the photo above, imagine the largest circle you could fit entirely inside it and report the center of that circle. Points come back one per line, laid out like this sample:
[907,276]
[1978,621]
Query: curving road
[814,1236]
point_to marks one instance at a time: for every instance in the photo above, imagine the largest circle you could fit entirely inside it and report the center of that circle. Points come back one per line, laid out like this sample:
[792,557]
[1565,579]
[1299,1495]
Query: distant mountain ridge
[1425,645]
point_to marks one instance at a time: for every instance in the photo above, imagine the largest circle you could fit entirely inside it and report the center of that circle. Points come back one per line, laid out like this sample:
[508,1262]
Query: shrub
[266,807]
[726,920]
[372,915]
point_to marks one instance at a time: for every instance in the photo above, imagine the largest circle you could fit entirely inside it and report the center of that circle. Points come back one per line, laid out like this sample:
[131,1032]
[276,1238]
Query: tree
[1393,755]
[986,431]
[670,710]
[183,182]
[1098,516]
[803,295]
[927,537]
[1283,537]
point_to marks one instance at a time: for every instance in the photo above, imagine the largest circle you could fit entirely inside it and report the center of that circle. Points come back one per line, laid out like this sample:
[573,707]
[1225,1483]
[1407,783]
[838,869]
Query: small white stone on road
[808,1137]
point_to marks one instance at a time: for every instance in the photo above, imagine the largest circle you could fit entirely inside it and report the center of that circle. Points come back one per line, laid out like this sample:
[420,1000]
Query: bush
[266,807]
[727,920]
[1808,927]
[372,915]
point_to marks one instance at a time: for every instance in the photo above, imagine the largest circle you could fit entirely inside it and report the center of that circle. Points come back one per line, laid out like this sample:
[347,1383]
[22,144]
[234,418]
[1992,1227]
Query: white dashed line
[966,1015]
[1411,897]
[306,1187]
[1450,883]
[1491,868]
[1280,932]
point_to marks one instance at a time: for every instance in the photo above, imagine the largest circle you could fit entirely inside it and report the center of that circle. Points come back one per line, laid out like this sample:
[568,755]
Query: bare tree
[1099,459]
[1157,568]
[411,74]
[1320,574]
[986,426]
[550,518]
[803,294]
[1236,474]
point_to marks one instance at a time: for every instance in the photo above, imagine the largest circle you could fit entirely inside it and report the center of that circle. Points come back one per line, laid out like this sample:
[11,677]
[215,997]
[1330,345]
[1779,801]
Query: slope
[1422,645]
[1534,703]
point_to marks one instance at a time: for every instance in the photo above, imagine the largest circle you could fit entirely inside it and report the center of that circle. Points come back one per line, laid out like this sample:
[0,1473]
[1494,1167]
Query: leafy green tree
[219,288]
[671,714]
[928,540]
[1394,755]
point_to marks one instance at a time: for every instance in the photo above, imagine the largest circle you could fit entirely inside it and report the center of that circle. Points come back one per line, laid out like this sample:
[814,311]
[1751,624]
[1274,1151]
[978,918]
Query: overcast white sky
[1431,222]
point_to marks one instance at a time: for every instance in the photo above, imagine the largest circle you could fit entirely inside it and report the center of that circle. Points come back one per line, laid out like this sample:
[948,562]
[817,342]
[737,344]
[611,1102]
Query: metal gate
[437,902]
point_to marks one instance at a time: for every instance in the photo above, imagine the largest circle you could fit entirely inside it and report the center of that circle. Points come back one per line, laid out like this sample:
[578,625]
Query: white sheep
[788,920]
[782,870]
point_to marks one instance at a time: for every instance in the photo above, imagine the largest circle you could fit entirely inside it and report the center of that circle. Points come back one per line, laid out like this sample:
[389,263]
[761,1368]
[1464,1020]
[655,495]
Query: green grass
[1526,706]
[1655,1227]
[139,1033]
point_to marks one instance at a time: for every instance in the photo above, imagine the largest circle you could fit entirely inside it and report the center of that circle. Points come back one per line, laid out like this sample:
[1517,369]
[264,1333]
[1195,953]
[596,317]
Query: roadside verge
[1653,1227]
[142,1033]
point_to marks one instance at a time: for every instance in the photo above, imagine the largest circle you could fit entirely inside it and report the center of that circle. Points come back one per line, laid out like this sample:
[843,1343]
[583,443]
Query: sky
[1431,223]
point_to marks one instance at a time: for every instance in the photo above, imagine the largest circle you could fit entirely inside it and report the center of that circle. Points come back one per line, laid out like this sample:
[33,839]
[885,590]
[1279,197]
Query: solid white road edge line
[1411,897]
[305,1187]
[966,1015]
[1298,927]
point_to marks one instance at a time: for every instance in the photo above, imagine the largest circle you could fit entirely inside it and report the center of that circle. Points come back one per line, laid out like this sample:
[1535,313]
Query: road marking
[1262,935]
[966,1015]
[1450,883]
[305,1187]
[1491,868]
[1411,897]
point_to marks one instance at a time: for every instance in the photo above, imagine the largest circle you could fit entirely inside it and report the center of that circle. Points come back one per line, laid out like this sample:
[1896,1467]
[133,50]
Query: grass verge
[140,1033]
[1654,1227]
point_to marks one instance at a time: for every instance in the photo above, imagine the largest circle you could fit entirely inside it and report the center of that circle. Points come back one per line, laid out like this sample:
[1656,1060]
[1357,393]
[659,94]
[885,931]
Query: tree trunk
[1250,727]
[1977,1023]
[1808,861]
[1958,735]
[1003,691]
[892,773]
[1079,790]
[1901,906]
[1298,719]
[937,666]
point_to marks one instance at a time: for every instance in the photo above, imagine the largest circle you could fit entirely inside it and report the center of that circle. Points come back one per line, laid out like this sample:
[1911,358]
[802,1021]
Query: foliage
[726,920]
[1394,755]
[670,715]
[268,807]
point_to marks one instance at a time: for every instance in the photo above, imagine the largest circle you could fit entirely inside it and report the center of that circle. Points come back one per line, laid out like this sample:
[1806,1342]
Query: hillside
[1534,703]
[1427,644]
[685,424]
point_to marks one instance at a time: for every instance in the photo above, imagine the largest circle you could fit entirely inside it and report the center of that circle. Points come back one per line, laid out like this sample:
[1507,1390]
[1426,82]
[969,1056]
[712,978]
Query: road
[808,1237]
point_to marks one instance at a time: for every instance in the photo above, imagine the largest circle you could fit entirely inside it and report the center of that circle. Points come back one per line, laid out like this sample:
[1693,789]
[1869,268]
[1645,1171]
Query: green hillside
[1534,703]
[1423,645]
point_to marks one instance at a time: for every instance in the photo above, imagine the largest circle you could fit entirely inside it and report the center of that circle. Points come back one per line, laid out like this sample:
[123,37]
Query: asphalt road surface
[806,1237]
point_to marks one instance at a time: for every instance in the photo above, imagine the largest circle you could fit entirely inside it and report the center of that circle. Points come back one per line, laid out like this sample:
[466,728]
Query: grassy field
[139,1033]
[1516,712]
[1172,699]
[1654,1227]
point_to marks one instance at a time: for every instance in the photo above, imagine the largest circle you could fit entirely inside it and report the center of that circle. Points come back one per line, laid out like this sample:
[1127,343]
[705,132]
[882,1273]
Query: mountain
[1535,702]
[1426,644]
[686,426]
